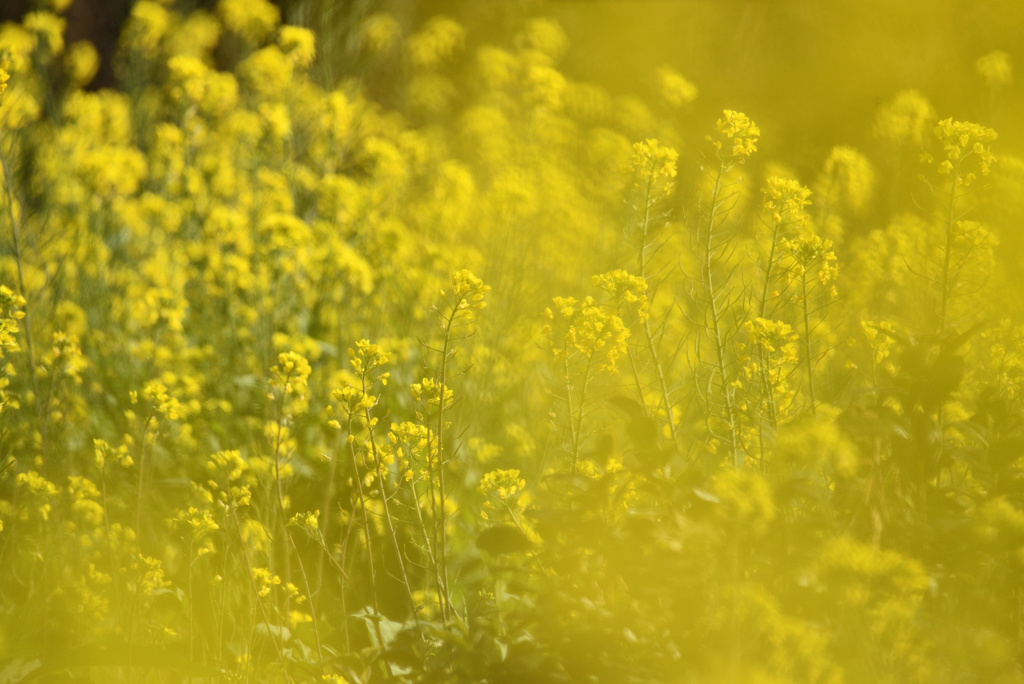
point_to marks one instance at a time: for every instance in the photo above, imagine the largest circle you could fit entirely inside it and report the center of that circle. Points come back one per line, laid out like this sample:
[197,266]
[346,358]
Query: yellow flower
[148,24]
[308,520]
[584,327]
[675,90]
[291,373]
[504,484]
[468,290]
[430,392]
[850,173]
[299,44]
[544,37]
[81,63]
[265,581]
[628,291]
[438,41]
[784,200]
[544,87]
[367,357]
[967,148]
[736,137]
[49,28]
[996,69]
[380,32]
[654,166]
[268,71]
[253,20]
[906,119]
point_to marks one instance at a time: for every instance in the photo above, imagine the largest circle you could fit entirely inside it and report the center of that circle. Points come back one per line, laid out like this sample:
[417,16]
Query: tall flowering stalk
[815,267]
[586,340]
[456,314]
[783,206]
[968,155]
[734,140]
[348,406]
[767,359]
[289,382]
[654,168]
[357,403]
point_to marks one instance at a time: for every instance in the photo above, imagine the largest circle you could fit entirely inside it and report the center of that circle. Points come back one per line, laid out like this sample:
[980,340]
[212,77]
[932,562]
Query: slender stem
[662,382]
[142,476]
[191,606]
[325,526]
[309,594]
[256,591]
[366,530]
[427,537]
[636,379]
[284,525]
[387,509]
[947,257]
[716,327]
[807,343]
[519,526]
[646,324]
[768,270]
[577,430]
[946,295]
[443,533]
[431,492]
[27,320]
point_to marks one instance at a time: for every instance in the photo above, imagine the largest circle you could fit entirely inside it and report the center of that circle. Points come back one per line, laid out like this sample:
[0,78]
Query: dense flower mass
[383,349]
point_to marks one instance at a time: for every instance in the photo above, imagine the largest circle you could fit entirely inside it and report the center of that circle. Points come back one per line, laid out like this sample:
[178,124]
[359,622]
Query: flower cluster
[675,90]
[850,178]
[968,150]
[736,136]
[996,68]
[430,392]
[654,167]
[815,252]
[784,200]
[629,292]
[585,328]
[906,120]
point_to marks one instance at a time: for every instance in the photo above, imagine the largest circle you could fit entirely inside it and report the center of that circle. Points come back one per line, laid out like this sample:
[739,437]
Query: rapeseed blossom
[968,150]
[784,200]
[996,68]
[736,137]
[675,90]
[705,456]
[584,327]
[906,119]
[253,20]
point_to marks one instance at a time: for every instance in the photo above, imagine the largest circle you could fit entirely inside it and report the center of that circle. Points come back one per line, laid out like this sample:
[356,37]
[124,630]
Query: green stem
[807,343]
[716,327]
[387,508]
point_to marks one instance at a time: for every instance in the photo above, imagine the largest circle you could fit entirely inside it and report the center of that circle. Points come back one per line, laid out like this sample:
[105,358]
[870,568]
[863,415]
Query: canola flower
[996,68]
[736,136]
[280,394]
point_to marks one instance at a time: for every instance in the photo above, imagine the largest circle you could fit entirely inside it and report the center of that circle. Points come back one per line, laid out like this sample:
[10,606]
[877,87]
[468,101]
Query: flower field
[405,354]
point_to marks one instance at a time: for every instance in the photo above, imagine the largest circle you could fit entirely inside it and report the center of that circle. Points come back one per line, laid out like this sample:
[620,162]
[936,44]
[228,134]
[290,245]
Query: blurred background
[812,74]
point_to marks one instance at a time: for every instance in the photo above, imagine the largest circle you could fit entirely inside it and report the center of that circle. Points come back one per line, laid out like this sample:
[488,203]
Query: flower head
[995,68]
[736,136]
